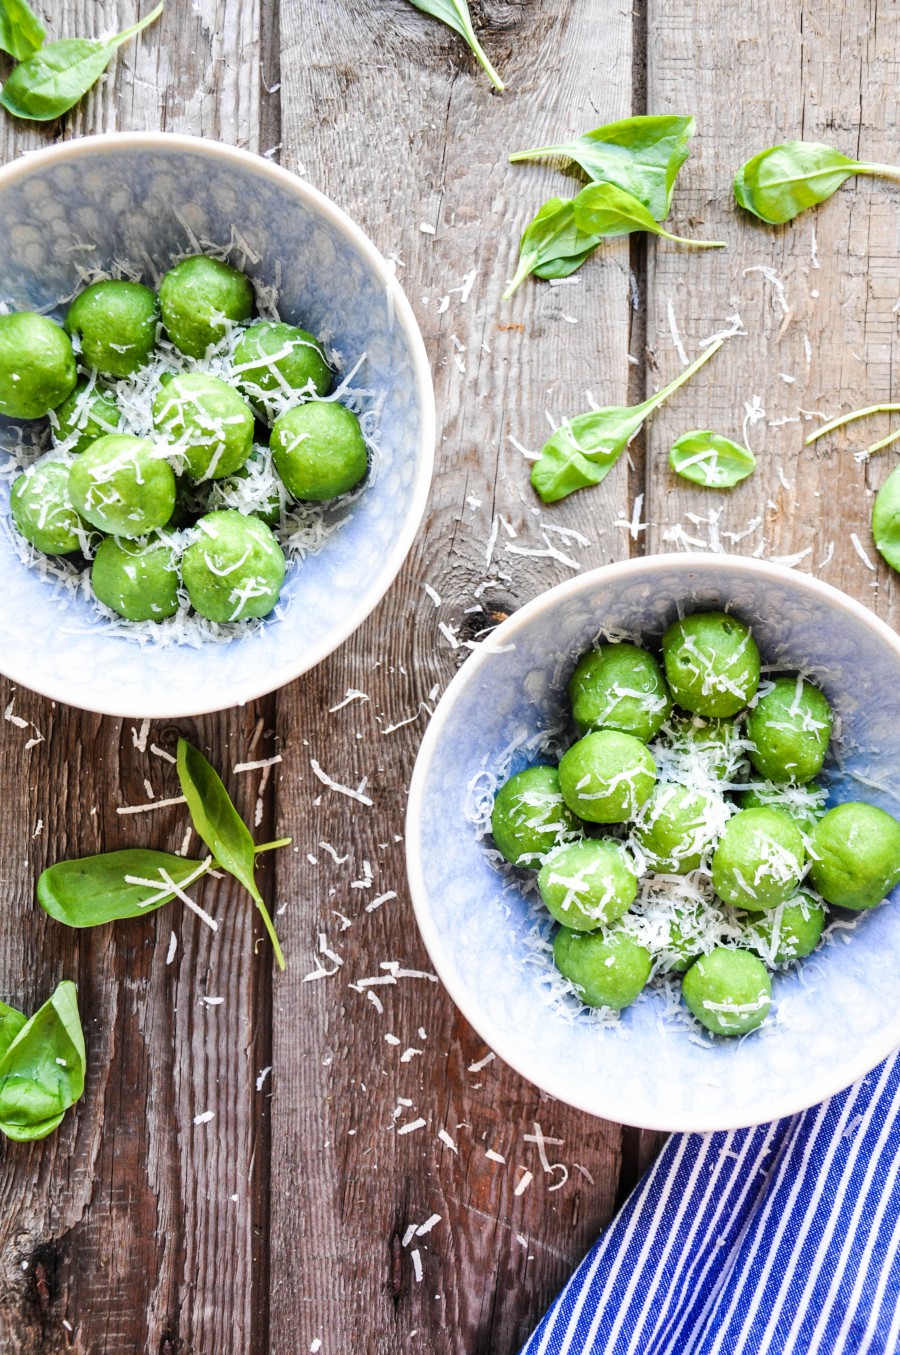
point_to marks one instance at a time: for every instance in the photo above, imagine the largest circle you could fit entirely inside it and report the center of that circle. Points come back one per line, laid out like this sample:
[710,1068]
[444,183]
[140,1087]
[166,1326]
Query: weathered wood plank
[820,326]
[138,1228]
[387,113]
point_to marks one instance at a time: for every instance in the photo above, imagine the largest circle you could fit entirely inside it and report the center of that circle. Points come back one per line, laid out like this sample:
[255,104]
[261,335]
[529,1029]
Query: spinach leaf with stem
[53,79]
[21,31]
[566,231]
[783,181]
[584,450]
[708,459]
[605,210]
[42,1068]
[455,14]
[886,520]
[221,827]
[855,414]
[552,245]
[94,890]
[641,155]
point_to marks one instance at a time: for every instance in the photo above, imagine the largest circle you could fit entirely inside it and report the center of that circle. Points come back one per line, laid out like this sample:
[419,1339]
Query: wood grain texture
[132,1222]
[820,325]
[386,112]
[283,1219]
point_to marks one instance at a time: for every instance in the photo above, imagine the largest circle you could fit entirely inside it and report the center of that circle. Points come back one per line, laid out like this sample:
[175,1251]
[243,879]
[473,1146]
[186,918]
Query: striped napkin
[782,1238]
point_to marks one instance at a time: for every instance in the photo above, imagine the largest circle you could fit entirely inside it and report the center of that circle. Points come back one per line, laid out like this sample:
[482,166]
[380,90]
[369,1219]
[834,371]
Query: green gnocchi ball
[728,991]
[789,729]
[606,776]
[677,828]
[586,884]
[530,817]
[207,424]
[619,686]
[37,365]
[123,486]
[200,300]
[272,359]
[759,859]
[712,663]
[805,804]
[42,510]
[608,968]
[790,931]
[234,568]
[84,416]
[682,942]
[706,749]
[138,579]
[319,450]
[855,855]
[116,323]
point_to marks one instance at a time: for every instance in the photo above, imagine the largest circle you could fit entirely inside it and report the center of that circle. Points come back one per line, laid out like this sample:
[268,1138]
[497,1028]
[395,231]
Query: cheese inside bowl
[836,1014]
[132,205]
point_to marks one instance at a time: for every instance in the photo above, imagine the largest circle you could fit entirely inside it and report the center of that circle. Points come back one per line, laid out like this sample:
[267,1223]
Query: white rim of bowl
[614,1107]
[275,677]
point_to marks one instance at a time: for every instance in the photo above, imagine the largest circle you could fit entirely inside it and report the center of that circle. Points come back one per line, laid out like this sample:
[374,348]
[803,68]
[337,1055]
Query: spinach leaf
[886,520]
[455,14]
[605,210]
[42,1068]
[710,460]
[781,182]
[11,1022]
[51,81]
[584,450]
[566,231]
[94,889]
[221,827]
[21,31]
[855,414]
[641,155]
[552,245]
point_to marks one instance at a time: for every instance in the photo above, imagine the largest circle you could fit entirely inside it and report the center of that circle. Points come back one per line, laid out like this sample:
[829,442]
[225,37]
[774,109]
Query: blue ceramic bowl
[138,201]
[838,1013]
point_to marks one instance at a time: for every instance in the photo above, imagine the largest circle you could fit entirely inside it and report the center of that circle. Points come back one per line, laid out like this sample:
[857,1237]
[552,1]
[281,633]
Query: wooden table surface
[280,1222]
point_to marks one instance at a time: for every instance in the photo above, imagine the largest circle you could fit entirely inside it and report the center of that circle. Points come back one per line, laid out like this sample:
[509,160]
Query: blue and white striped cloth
[783,1238]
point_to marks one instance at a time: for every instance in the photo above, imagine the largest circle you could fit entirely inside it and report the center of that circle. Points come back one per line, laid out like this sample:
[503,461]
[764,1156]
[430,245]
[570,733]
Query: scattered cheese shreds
[204,1117]
[336,786]
[382,898]
[861,551]
[261,1079]
[417,1265]
[482,1063]
[447,1141]
[413,1124]
[173,946]
[157,804]
[495,1157]
[524,1183]
[258,766]
[352,694]
[431,1222]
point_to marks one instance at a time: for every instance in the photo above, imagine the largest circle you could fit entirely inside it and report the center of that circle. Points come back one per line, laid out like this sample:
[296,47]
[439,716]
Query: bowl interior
[837,1014]
[138,203]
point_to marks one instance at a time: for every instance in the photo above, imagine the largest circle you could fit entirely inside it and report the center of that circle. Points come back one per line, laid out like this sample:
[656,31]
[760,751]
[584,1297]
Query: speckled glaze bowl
[140,200]
[838,1014]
